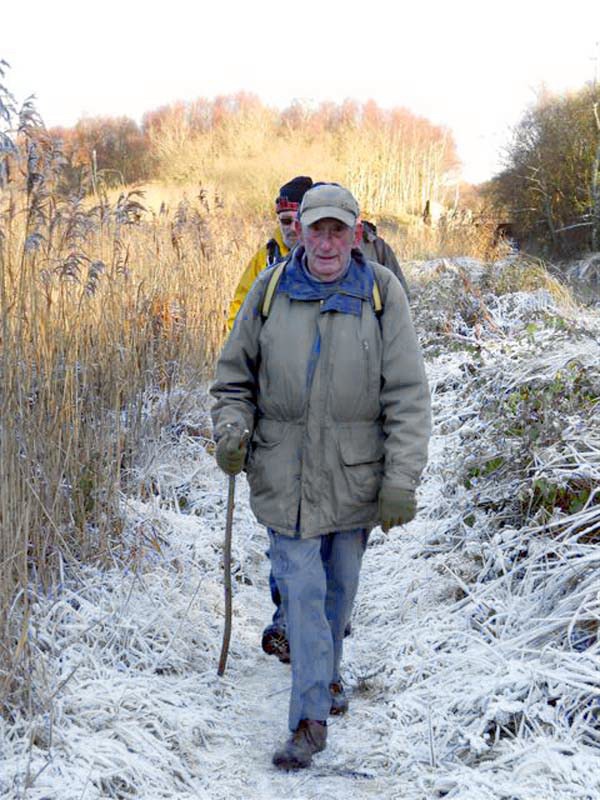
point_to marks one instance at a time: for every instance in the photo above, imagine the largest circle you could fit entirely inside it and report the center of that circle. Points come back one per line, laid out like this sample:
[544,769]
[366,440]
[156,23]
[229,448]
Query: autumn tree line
[394,160]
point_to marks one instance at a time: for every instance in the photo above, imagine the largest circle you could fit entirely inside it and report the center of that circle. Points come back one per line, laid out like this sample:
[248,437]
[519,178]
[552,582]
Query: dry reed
[105,307]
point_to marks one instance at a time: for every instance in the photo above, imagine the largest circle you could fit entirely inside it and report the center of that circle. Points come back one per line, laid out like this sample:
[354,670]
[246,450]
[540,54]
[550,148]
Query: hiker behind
[328,377]
[284,239]
[278,247]
[374,248]
[274,638]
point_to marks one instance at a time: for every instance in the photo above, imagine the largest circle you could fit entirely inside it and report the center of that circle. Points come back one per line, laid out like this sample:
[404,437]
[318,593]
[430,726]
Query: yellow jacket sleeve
[255,266]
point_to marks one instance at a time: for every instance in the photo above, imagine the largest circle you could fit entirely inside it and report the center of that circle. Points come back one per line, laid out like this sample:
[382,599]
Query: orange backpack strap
[377,302]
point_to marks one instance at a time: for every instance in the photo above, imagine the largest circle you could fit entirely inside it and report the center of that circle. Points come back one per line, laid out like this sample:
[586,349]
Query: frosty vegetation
[473,663]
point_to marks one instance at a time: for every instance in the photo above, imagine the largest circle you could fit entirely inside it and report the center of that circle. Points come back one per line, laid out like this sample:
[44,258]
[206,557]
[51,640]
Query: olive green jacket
[318,456]
[377,249]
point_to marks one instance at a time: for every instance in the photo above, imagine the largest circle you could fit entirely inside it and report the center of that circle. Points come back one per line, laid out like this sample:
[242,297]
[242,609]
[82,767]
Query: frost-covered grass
[473,666]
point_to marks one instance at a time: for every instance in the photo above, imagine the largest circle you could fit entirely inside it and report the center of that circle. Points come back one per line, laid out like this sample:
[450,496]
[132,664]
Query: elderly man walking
[324,369]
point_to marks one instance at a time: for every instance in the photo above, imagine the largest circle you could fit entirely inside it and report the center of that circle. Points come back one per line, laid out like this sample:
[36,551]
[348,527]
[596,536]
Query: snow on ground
[473,665]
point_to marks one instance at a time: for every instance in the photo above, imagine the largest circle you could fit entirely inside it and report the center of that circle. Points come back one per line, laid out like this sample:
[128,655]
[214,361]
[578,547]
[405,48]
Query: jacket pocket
[361,453]
[369,359]
[271,473]
[266,437]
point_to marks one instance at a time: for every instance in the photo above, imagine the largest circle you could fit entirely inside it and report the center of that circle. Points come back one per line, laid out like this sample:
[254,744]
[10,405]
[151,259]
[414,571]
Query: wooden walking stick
[227,575]
[227,564]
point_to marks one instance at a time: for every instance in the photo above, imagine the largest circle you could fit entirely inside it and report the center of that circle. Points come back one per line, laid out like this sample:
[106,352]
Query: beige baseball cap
[329,201]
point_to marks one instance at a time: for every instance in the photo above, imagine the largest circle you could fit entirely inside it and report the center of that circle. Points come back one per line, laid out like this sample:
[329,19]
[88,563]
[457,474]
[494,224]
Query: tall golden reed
[104,307]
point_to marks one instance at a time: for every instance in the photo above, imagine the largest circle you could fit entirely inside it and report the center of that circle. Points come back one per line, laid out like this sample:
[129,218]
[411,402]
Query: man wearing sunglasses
[277,248]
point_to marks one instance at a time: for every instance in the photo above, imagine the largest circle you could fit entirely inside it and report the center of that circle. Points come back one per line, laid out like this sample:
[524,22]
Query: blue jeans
[317,579]
[278,616]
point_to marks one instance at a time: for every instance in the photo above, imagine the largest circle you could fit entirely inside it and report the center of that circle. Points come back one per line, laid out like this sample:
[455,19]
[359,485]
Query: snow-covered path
[142,712]
[449,697]
[145,714]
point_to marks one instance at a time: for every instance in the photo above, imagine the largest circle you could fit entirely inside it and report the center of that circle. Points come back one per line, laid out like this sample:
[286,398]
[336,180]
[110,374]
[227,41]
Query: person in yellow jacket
[277,248]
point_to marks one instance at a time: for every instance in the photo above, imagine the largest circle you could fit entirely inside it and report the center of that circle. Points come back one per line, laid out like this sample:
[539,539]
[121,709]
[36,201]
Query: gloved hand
[396,507]
[231,450]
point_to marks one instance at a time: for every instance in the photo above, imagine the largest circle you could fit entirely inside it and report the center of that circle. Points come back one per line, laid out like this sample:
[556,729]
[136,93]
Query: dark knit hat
[291,193]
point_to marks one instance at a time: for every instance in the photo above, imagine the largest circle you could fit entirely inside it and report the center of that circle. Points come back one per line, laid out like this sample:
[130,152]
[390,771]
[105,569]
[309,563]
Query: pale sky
[473,66]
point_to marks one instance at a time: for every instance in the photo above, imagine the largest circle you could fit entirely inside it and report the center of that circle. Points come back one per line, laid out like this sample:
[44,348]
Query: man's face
[328,244]
[287,227]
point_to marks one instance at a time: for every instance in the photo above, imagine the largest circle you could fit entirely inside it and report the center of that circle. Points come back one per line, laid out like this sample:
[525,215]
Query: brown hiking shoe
[310,737]
[339,700]
[274,643]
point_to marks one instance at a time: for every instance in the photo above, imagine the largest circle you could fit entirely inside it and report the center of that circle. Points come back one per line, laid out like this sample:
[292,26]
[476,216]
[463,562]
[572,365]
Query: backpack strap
[377,301]
[270,288]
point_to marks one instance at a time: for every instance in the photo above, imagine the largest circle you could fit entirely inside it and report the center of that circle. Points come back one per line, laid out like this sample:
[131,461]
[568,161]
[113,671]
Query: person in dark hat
[278,247]
[274,637]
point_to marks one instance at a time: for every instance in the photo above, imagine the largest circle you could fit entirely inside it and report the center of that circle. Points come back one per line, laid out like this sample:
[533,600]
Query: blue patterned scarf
[344,295]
